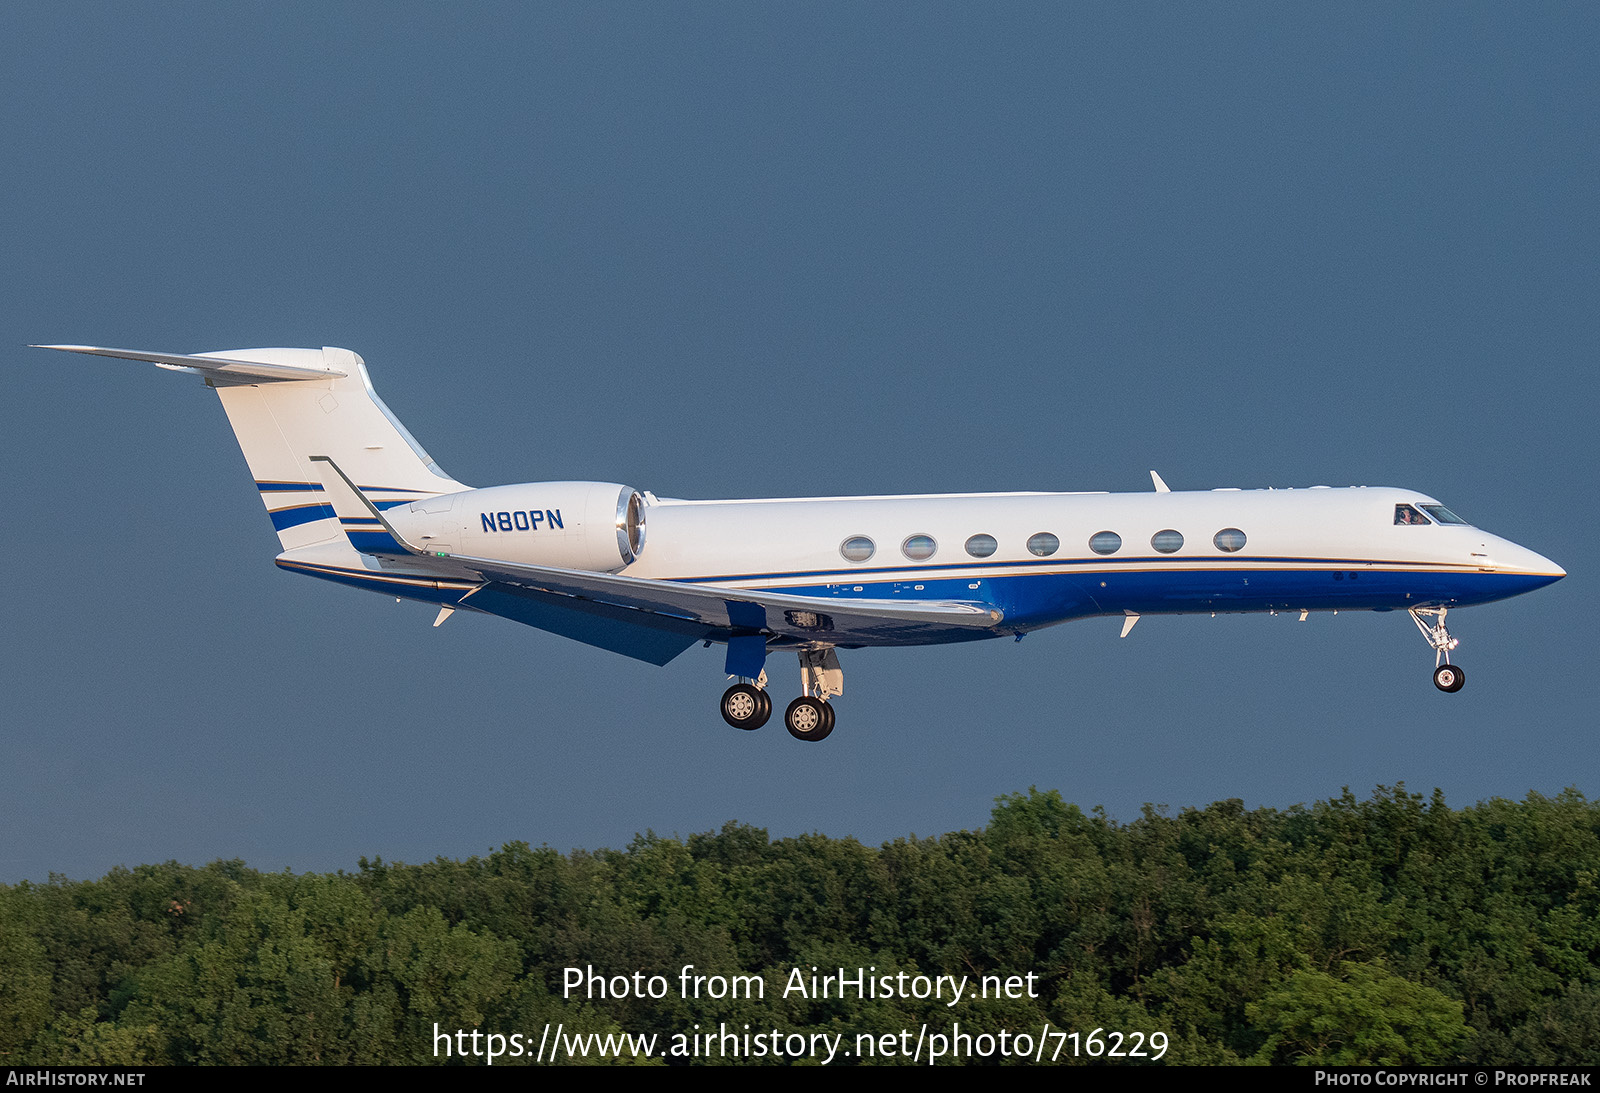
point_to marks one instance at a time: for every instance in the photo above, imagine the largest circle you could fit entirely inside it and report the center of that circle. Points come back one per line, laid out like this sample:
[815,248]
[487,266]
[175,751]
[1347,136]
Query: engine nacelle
[594,526]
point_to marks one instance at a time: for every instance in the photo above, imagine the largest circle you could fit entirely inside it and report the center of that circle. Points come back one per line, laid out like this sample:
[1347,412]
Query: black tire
[808,719]
[746,707]
[1449,678]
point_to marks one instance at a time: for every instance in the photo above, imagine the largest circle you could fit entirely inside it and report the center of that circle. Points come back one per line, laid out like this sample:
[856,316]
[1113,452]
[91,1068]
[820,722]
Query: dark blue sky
[756,250]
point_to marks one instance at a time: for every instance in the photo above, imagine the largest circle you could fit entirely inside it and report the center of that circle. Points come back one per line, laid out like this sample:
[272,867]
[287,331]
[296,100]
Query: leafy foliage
[1390,930]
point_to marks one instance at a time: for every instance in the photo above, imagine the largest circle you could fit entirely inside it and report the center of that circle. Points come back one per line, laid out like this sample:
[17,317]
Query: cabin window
[1105,542]
[1043,544]
[857,548]
[1405,514]
[981,546]
[1229,540]
[918,547]
[1166,542]
[1443,515]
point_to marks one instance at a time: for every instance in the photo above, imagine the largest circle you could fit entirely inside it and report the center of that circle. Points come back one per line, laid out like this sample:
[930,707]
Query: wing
[717,612]
[655,620]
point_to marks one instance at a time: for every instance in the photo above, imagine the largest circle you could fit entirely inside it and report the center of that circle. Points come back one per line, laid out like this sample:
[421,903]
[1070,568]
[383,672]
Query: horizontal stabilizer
[224,368]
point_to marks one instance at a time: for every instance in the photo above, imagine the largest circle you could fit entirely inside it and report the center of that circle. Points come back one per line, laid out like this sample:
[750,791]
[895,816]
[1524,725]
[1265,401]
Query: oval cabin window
[1105,542]
[857,548]
[981,546]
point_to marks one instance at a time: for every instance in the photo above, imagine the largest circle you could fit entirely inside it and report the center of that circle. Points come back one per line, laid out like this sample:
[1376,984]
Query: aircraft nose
[1519,559]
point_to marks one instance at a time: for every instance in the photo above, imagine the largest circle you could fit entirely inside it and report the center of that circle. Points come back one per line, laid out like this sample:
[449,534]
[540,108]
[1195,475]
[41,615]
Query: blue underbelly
[1033,600]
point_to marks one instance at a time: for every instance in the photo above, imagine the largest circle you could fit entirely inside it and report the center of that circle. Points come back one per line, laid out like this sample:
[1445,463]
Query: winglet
[360,519]
[1161,487]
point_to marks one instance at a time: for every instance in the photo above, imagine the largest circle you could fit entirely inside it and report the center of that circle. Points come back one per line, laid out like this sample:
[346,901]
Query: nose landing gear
[1449,678]
[1446,676]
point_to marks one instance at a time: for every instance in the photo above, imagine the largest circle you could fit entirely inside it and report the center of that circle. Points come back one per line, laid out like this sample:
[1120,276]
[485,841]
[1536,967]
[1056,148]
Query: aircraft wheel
[1449,678]
[746,707]
[808,719]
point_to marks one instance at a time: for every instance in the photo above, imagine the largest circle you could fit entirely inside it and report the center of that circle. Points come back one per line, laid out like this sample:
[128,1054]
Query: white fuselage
[1028,554]
[355,499]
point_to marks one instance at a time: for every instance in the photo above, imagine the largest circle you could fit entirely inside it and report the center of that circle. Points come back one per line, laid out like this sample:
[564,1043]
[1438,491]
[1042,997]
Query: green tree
[1370,1017]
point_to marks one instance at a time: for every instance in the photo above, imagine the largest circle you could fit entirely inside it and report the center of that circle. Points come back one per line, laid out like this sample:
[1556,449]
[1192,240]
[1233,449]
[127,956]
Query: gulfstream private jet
[356,500]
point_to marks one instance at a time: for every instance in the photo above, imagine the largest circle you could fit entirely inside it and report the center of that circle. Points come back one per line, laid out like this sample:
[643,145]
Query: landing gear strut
[1446,676]
[810,717]
[746,704]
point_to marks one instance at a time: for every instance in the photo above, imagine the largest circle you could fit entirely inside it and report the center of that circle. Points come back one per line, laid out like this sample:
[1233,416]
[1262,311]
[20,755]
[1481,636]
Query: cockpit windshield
[1413,515]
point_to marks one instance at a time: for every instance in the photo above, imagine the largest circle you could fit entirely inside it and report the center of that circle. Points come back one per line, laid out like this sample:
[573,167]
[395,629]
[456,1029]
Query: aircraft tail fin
[287,405]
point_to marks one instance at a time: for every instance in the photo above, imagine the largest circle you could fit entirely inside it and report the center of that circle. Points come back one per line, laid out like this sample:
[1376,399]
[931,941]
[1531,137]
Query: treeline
[1391,930]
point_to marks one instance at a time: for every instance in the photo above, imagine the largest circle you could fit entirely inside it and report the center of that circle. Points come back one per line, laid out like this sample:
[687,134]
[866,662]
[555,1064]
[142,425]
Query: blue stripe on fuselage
[373,542]
[299,514]
[1042,565]
[1038,599]
[295,515]
[316,487]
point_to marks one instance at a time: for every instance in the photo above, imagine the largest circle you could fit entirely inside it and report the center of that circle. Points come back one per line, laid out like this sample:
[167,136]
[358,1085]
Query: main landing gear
[808,719]
[1446,676]
[746,705]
